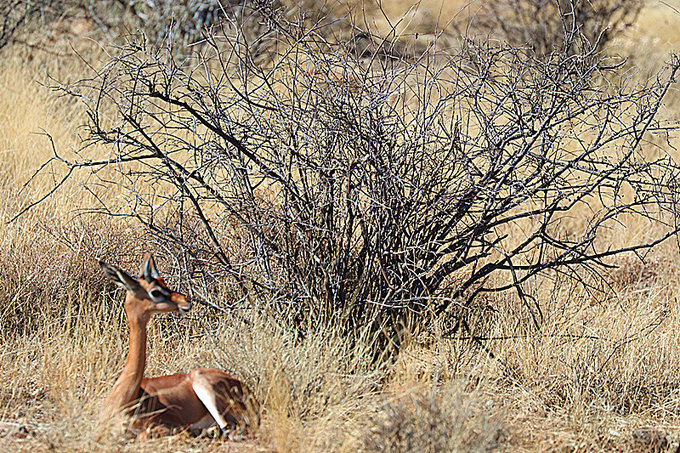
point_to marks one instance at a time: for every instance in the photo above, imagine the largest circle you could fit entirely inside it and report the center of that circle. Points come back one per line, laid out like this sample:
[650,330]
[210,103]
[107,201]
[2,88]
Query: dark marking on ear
[110,271]
[119,277]
[148,271]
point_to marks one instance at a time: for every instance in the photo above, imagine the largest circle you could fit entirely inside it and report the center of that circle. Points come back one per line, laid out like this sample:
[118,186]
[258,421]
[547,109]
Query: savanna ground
[602,375]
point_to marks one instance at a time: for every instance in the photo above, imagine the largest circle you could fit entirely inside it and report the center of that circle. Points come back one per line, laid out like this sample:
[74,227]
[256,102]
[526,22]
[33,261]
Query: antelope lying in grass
[197,400]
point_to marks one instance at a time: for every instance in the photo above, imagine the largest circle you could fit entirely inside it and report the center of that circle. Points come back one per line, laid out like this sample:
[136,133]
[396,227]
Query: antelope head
[148,293]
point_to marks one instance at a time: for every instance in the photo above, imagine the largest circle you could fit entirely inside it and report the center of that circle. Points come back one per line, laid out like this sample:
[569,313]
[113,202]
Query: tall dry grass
[605,364]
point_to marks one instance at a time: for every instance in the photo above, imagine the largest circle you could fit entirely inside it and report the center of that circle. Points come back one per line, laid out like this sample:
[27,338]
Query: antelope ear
[148,271]
[120,277]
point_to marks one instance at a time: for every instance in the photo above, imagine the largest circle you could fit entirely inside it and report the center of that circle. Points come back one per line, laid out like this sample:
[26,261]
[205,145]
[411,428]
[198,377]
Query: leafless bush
[369,188]
[559,25]
[15,14]
[182,24]
[20,16]
[177,24]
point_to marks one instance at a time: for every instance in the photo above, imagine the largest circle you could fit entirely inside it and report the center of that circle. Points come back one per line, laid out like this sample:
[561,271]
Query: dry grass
[605,366]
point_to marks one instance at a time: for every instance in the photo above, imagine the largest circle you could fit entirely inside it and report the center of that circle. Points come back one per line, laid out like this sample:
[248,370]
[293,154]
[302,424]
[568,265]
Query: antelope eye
[157,294]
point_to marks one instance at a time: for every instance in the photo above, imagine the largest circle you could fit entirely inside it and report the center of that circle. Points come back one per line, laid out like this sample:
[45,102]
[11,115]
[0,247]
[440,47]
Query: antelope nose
[187,308]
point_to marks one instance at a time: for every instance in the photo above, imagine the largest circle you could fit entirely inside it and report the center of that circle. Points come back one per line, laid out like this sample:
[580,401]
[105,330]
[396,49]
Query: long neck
[126,389]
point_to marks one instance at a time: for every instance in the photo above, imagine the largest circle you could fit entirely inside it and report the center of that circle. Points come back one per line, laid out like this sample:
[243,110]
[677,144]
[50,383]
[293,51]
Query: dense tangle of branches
[329,182]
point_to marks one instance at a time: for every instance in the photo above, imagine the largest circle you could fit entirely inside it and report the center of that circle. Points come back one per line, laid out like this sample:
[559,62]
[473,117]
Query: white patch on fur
[207,397]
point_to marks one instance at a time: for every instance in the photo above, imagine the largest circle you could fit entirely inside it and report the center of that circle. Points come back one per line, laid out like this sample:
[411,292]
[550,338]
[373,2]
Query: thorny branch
[331,183]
